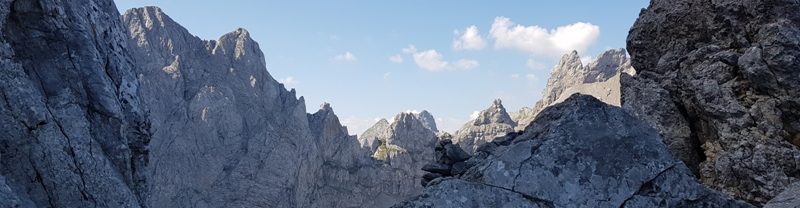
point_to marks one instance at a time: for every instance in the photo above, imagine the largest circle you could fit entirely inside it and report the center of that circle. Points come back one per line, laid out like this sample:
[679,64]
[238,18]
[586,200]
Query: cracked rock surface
[578,153]
[719,80]
[73,129]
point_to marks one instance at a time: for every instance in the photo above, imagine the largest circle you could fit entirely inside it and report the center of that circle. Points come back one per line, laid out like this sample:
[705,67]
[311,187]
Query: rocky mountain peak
[606,65]
[325,107]
[599,78]
[325,122]
[494,114]
[427,120]
[490,123]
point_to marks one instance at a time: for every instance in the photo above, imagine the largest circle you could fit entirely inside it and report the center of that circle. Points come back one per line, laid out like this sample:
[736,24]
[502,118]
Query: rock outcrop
[73,130]
[492,122]
[599,78]
[720,82]
[578,153]
[427,120]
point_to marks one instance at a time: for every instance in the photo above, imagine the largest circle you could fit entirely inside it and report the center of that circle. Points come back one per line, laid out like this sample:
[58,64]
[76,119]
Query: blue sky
[357,55]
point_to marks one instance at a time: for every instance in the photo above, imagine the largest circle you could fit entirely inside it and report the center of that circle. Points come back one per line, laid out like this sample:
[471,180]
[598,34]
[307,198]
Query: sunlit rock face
[223,128]
[720,82]
[490,123]
[598,78]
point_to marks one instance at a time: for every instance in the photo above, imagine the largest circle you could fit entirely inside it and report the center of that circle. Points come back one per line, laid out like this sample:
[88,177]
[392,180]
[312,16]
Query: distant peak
[496,113]
[325,106]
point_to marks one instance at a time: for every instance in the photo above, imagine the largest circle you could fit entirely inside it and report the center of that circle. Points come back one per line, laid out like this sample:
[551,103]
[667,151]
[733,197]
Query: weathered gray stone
[437,168]
[719,81]
[73,132]
[582,153]
[223,128]
[789,198]
[459,193]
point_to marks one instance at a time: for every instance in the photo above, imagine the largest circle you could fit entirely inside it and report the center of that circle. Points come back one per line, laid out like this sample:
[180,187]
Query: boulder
[579,153]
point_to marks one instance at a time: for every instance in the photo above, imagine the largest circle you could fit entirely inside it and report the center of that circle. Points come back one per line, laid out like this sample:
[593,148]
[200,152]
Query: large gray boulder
[578,153]
[73,130]
[719,80]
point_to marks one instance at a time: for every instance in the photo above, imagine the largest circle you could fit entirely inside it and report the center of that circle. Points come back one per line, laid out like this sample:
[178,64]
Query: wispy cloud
[387,75]
[346,57]
[541,41]
[396,58]
[470,39]
[432,60]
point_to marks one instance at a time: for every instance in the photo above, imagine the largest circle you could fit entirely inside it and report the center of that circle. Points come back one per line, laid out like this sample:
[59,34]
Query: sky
[375,59]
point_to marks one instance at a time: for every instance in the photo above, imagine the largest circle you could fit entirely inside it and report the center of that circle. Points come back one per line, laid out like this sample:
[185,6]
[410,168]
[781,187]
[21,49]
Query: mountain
[161,118]
[490,123]
[724,96]
[577,153]
[222,126]
[599,78]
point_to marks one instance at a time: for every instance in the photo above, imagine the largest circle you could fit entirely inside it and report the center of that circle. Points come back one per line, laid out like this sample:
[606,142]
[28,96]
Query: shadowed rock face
[578,153]
[73,132]
[720,82]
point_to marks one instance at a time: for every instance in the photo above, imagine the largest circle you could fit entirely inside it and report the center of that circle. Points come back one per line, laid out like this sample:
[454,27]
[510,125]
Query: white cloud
[515,76]
[410,49]
[396,58]
[469,40]
[541,41]
[531,77]
[346,56]
[387,75]
[432,60]
[467,64]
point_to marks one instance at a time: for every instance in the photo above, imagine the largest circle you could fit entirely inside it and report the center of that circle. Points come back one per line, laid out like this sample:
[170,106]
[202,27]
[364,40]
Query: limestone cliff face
[403,146]
[223,128]
[73,130]
[491,123]
[720,81]
[599,78]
